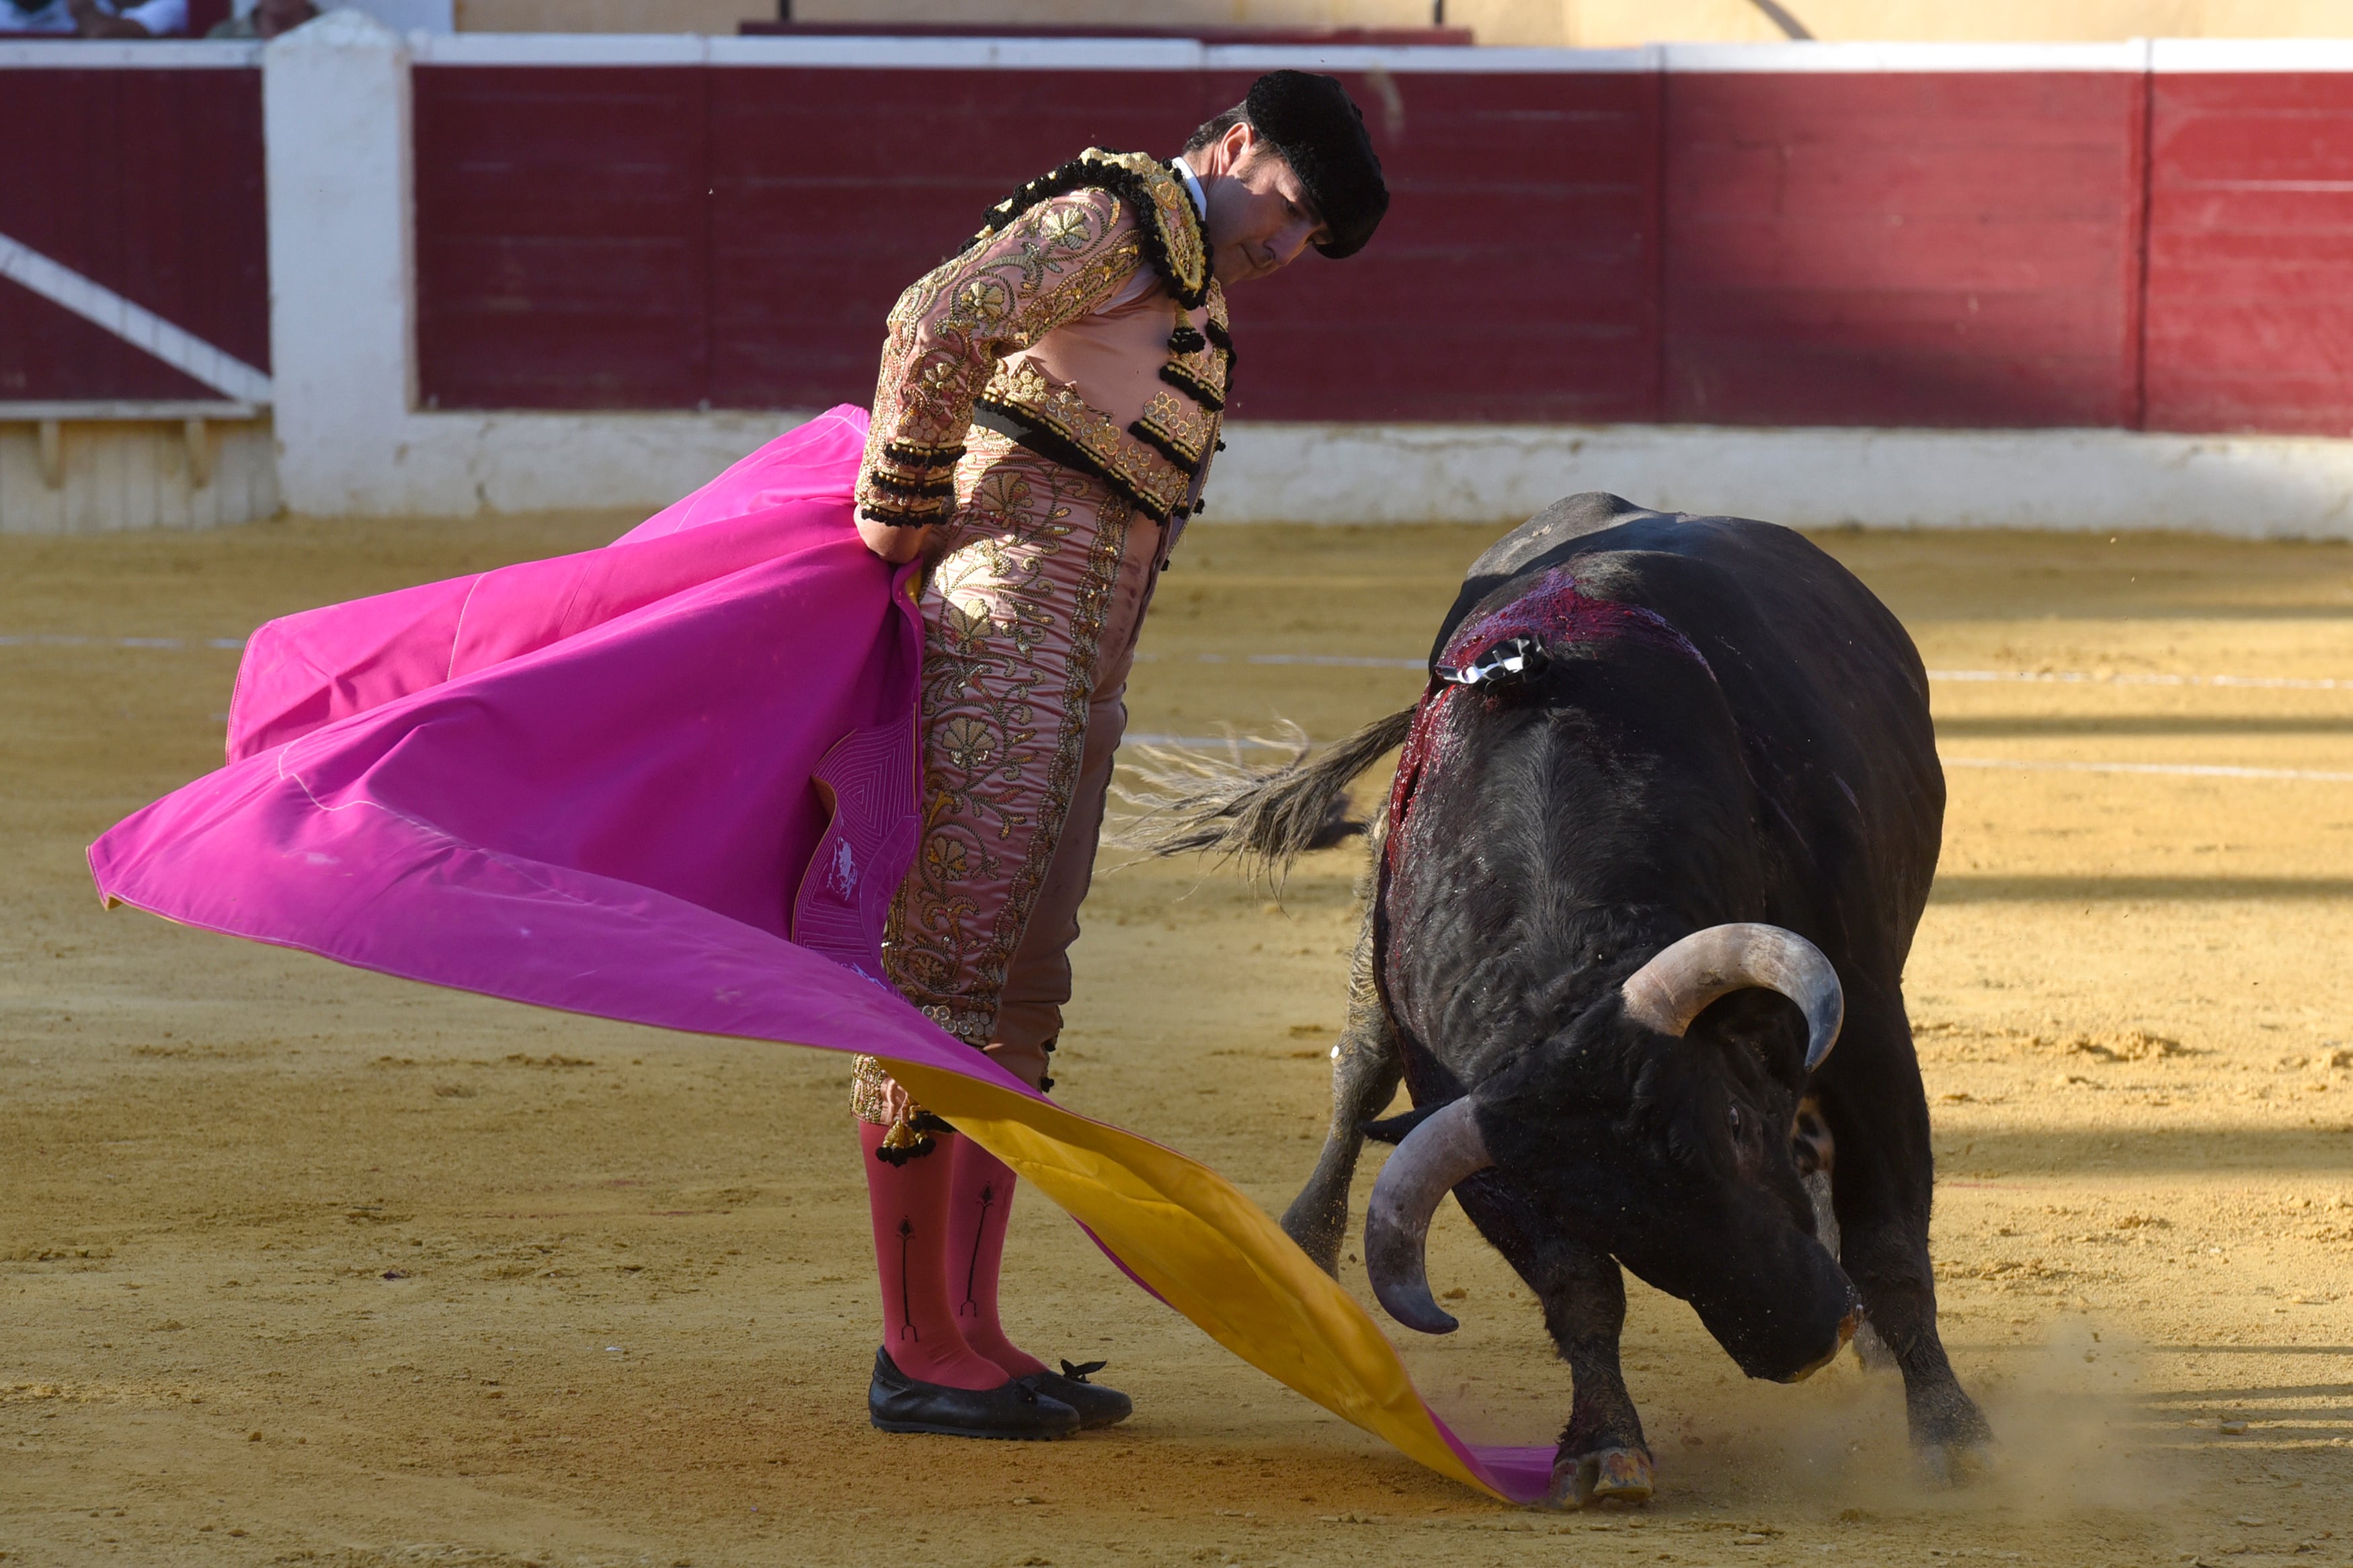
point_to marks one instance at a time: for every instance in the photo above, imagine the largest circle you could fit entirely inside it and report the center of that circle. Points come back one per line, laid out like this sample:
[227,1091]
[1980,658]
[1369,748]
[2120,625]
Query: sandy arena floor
[300,1265]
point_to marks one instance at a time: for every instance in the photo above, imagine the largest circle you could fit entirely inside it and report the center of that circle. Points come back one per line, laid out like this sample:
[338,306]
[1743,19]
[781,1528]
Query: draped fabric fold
[674,782]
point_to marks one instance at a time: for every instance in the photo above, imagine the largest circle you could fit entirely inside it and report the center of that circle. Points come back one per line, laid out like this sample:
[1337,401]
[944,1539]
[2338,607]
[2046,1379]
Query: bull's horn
[1676,985]
[1435,1155]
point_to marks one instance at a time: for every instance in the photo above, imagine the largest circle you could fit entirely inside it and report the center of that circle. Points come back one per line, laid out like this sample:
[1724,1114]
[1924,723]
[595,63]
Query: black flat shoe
[1096,1405]
[897,1403]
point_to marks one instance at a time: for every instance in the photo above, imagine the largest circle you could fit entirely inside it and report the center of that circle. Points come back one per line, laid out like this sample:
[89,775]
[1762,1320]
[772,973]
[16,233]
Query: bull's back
[1825,685]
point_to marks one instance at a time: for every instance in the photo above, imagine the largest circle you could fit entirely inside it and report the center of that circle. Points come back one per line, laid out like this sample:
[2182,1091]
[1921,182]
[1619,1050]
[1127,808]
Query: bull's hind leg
[1877,1113]
[1365,1071]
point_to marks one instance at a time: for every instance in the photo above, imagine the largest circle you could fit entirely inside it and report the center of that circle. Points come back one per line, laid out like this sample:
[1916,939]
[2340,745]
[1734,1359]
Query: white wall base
[456,465]
[120,474]
[2112,480]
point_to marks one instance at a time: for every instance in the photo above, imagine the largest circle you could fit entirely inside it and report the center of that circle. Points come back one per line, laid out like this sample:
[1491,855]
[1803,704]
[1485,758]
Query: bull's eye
[1739,1123]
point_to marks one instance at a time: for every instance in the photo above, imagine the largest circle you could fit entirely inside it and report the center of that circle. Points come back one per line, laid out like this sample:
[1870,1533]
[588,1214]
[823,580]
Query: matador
[1047,409]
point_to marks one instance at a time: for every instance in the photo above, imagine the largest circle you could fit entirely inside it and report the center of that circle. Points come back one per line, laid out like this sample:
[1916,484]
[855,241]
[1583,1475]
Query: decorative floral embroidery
[1173,242]
[1014,615]
[1180,433]
[949,330]
[1086,437]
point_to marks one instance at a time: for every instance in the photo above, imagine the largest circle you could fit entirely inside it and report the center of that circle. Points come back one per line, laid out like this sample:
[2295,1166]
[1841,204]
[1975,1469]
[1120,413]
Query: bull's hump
[1571,516]
[1545,540]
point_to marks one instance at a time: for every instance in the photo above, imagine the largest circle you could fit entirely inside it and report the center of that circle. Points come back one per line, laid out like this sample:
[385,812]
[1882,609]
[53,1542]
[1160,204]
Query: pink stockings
[981,1196]
[939,1240]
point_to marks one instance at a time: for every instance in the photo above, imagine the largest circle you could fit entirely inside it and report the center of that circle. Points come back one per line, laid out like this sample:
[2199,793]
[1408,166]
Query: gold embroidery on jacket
[1011,644]
[1172,238]
[870,1093]
[1205,373]
[1090,438]
[1060,258]
[1179,432]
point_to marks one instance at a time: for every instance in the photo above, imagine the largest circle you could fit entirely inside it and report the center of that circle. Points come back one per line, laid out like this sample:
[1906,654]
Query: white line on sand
[1207,743]
[2141,678]
[1956,677]
[2021,764]
[1251,743]
[1366,661]
[120,642]
[2178,770]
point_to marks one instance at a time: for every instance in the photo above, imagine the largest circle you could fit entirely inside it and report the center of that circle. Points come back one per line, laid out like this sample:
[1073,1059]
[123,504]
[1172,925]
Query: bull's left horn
[1677,984]
[1442,1151]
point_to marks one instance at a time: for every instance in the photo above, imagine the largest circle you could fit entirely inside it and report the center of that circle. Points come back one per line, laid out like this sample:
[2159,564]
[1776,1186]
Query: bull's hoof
[1620,1475]
[1954,1444]
[1310,1224]
[1957,1464]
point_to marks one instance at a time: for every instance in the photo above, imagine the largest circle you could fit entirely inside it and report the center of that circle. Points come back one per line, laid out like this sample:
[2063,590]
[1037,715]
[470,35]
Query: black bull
[1720,732]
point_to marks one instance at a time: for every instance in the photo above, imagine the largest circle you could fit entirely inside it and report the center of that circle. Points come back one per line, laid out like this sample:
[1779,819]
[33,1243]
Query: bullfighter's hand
[893,543]
[897,1104]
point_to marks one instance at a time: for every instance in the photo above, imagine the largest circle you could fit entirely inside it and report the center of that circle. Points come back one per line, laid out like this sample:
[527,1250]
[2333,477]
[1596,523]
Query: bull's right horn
[1684,977]
[1442,1151]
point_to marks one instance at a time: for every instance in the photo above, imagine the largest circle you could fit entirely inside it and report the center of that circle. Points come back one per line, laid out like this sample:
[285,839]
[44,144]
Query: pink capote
[586,781]
[672,781]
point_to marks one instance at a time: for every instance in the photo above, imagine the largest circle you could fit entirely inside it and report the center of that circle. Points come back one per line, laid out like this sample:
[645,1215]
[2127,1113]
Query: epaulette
[1170,225]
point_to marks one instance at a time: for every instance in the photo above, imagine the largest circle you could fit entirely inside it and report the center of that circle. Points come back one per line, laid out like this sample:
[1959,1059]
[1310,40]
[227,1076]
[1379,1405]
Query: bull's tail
[1264,817]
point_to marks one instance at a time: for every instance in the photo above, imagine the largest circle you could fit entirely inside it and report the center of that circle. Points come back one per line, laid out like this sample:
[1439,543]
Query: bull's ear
[1393,1129]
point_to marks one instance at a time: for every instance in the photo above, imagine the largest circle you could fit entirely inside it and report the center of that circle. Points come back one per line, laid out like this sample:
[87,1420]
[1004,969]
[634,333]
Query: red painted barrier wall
[558,264]
[149,184]
[2251,254]
[563,251]
[1908,248]
[1924,249]
[1514,277]
[833,190]
[1981,248]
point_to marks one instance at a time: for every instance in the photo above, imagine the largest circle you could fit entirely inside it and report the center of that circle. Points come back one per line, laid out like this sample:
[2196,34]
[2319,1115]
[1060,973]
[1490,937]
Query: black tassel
[1186,340]
[912,1138]
[1199,507]
[915,1150]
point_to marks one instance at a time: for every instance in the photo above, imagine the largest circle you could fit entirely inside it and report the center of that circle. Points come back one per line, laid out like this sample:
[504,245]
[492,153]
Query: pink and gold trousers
[1031,617]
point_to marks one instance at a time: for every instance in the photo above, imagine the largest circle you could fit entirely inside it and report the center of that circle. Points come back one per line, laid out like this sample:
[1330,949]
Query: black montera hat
[1314,124]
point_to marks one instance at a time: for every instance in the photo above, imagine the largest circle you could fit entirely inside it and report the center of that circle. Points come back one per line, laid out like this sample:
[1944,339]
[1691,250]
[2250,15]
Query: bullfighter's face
[1260,216]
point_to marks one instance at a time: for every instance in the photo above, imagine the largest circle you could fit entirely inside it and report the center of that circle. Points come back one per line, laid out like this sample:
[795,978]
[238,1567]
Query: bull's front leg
[1603,1455]
[1881,1186]
[1365,1071]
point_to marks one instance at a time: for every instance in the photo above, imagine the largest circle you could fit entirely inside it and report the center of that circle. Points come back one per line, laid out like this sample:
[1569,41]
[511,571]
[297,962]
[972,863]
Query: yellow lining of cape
[1210,1252]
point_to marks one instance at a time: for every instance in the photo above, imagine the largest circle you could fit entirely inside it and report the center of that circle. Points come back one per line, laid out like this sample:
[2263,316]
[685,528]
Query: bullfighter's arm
[1062,258]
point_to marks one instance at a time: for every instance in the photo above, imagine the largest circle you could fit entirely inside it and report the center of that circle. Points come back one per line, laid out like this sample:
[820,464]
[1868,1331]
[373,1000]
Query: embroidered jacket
[1082,321]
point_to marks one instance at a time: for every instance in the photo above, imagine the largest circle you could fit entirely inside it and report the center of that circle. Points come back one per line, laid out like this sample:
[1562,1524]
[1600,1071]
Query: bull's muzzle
[1847,1326]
